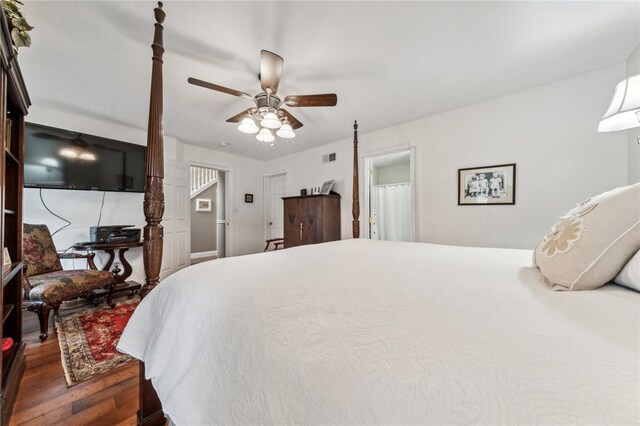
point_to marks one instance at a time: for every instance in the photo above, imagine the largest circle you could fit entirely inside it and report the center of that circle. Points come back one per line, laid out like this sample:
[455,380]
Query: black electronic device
[63,159]
[113,234]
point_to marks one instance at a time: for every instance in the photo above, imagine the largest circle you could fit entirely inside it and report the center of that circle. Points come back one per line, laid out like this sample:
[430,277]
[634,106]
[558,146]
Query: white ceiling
[388,62]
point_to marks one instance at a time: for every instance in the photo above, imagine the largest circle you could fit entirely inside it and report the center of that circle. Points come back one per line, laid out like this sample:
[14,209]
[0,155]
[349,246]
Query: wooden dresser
[14,101]
[311,219]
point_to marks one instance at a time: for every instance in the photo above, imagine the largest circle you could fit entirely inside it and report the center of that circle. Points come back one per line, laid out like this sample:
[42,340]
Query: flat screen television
[63,159]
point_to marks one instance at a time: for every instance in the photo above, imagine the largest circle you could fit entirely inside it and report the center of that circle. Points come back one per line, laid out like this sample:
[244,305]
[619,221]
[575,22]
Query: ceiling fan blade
[218,88]
[324,100]
[77,139]
[238,117]
[295,124]
[270,71]
[43,135]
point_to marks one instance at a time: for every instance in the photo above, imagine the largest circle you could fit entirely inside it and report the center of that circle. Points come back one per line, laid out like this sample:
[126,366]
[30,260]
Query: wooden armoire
[14,101]
[311,219]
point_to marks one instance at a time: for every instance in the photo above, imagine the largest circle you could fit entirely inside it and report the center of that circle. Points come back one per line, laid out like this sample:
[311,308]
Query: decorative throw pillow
[630,274]
[591,243]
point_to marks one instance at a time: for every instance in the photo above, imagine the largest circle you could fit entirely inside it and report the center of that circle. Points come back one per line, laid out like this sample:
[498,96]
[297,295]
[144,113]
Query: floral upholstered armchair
[46,285]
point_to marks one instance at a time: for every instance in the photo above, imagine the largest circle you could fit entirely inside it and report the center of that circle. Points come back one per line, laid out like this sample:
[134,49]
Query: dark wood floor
[44,399]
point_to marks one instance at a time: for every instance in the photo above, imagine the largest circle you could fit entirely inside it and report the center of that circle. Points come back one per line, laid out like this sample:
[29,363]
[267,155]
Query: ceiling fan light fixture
[265,136]
[271,121]
[266,114]
[248,125]
[286,131]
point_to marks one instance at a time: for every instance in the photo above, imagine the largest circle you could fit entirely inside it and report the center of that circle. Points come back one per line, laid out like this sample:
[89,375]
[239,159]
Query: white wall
[82,207]
[633,135]
[399,173]
[244,176]
[306,170]
[549,132]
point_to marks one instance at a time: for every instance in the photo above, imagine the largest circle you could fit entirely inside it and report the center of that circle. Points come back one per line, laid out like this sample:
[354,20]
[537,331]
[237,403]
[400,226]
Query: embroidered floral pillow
[591,244]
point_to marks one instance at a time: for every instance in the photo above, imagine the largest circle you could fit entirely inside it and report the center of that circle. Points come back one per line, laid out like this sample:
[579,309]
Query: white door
[176,248]
[277,188]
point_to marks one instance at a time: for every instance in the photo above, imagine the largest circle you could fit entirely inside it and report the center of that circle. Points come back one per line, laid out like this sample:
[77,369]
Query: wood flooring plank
[67,396]
[127,395]
[44,399]
[129,421]
[49,418]
[97,415]
[93,398]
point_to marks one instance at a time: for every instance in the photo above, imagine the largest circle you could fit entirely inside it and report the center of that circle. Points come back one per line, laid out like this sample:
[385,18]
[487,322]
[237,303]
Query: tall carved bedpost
[355,211]
[154,196]
[150,412]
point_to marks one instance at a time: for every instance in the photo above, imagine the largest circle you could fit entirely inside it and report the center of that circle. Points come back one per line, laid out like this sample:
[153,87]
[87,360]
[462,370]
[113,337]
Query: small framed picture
[481,186]
[248,198]
[6,258]
[326,187]
[203,204]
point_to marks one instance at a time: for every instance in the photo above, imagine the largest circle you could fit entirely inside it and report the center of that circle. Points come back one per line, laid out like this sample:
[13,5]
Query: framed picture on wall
[203,204]
[481,186]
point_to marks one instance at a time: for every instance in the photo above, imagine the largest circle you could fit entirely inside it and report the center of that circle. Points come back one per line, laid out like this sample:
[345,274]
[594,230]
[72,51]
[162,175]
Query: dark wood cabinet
[311,219]
[14,101]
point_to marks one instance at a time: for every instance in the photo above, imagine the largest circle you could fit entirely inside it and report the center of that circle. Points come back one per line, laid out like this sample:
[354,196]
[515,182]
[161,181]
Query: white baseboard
[204,254]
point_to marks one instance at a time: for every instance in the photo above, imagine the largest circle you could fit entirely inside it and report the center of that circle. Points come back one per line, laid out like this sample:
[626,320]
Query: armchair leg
[110,295]
[42,310]
[43,317]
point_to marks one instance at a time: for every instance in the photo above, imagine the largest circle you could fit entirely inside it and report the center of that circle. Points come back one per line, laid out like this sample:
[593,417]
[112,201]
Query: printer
[111,234]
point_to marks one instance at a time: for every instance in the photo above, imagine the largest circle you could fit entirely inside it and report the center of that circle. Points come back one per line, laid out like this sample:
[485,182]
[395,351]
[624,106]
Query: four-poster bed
[150,412]
[365,332]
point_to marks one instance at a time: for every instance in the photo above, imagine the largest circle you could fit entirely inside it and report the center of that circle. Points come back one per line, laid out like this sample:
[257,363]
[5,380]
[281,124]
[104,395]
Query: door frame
[366,161]
[265,191]
[227,211]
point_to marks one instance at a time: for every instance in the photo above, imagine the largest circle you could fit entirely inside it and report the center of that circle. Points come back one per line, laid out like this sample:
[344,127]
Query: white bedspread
[370,332]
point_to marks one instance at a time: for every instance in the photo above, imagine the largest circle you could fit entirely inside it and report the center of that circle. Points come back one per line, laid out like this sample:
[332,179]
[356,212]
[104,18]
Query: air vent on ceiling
[328,158]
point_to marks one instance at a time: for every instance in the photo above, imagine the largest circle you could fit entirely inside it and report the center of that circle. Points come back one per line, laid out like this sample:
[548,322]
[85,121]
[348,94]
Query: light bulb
[270,121]
[69,153]
[87,156]
[248,125]
[265,136]
[286,131]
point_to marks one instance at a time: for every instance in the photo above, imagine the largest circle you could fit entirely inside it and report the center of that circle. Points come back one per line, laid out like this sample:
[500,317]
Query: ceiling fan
[76,147]
[267,109]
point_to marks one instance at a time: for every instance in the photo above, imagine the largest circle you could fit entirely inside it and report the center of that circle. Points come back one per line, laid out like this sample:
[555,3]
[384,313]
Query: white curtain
[391,210]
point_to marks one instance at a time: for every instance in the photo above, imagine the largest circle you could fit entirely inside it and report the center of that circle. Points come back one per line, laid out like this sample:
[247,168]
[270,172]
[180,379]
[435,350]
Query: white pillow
[592,243]
[630,274]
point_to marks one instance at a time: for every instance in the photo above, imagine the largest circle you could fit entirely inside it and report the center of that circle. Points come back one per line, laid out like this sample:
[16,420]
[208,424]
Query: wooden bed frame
[150,410]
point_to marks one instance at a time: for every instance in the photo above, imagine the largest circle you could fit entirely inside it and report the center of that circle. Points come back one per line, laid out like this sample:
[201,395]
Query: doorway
[390,196]
[207,187]
[275,189]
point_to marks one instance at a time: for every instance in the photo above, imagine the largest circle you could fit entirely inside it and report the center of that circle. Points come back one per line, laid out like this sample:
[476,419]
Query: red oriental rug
[88,340]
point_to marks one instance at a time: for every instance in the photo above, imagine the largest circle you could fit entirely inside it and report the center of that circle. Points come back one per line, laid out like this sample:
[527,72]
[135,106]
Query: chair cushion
[39,252]
[62,285]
